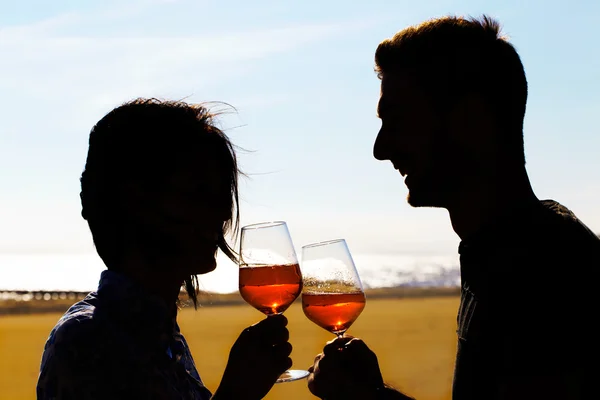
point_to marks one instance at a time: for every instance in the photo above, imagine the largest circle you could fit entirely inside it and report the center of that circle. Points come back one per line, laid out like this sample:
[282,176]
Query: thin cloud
[106,13]
[93,73]
[72,78]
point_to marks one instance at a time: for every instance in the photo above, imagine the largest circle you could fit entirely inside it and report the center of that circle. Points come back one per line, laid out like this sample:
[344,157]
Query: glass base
[292,375]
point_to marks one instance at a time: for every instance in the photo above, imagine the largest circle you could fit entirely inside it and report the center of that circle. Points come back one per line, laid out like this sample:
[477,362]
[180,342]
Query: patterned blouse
[118,343]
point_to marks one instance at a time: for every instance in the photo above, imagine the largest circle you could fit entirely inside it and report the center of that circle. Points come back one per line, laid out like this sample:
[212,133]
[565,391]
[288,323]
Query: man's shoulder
[545,252]
[553,233]
[559,220]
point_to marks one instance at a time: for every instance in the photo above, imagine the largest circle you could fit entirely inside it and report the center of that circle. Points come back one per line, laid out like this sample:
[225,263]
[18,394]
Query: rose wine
[271,289]
[334,312]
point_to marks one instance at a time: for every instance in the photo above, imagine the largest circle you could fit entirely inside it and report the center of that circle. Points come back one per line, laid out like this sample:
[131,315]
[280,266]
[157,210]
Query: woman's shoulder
[78,321]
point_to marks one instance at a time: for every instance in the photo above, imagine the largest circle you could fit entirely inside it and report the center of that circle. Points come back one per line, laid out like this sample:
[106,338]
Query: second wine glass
[332,294]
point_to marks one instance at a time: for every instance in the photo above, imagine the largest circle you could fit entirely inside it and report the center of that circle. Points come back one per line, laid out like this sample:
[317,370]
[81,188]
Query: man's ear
[471,123]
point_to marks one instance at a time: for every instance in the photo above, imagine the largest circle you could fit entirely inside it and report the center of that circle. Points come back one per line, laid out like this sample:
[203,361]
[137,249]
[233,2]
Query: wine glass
[270,277]
[332,294]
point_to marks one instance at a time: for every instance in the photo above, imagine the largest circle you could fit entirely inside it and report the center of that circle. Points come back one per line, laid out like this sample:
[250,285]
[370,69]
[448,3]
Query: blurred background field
[411,330]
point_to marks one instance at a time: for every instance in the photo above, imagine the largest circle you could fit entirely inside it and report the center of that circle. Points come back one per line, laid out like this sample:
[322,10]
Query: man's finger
[326,365]
[357,348]
[312,387]
[327,377]
[344,339]
[318,357]
[336,344]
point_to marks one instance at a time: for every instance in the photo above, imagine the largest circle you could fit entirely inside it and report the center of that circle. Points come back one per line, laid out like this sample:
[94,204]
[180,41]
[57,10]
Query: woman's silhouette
[159,192]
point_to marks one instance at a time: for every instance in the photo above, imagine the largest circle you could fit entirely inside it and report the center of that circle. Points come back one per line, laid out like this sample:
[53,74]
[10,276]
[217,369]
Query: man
[159,192]
[453,97]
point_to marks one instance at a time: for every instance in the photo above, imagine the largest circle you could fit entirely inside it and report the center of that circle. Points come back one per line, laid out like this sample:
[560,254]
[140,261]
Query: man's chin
[424,199]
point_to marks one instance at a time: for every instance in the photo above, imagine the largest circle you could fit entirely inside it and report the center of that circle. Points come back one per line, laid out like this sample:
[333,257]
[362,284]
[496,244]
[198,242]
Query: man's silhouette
[453,97]
[159,192]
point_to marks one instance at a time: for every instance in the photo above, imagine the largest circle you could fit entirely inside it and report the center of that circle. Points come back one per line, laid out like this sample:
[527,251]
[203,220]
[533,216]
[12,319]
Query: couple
[160,192]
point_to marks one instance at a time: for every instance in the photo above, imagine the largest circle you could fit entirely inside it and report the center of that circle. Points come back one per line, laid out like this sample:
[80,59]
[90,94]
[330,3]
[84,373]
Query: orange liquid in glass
[335,312]
[271,289]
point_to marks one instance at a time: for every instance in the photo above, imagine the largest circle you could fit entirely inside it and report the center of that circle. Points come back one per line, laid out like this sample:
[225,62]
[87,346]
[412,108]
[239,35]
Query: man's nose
[381,147]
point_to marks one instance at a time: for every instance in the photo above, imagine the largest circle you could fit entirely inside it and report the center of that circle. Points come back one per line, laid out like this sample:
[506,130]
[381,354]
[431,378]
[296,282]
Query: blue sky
[301,76]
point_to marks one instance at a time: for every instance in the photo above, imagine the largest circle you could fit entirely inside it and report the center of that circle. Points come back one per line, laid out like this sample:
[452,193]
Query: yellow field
[414,338]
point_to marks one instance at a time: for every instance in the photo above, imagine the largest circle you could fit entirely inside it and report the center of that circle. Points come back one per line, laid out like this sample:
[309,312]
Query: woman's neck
[155,277]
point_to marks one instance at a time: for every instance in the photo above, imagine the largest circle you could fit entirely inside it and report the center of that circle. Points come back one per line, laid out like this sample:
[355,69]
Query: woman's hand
[258,357]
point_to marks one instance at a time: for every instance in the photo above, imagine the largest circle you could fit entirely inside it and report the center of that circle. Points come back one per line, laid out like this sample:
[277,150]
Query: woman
[159,192]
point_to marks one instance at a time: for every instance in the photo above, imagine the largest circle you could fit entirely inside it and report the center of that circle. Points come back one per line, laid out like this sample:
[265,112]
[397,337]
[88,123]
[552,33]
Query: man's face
[183,218]
[414,138]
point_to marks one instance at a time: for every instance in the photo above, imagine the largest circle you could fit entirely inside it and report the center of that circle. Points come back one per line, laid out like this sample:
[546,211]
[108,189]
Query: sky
[300,75]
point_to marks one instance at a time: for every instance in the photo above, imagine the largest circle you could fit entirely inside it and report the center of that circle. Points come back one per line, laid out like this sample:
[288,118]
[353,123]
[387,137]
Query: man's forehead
[393,89]
[397,82]
[397,89]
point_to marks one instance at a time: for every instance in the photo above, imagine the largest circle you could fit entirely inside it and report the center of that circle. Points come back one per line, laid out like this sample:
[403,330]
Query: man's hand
[258,357]
[346,369]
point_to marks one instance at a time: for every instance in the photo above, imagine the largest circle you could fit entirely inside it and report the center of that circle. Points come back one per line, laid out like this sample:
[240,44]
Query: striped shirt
[118,343]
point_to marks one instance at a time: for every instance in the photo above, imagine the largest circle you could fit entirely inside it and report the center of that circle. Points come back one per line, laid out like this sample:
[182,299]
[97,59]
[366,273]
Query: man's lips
[401,170]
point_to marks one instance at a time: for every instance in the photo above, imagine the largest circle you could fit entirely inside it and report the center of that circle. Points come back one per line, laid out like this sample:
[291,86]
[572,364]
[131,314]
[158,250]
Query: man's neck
[488,203]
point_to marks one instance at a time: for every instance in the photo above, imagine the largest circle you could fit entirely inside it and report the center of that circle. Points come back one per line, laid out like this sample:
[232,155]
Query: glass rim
[260,225]
[323,243]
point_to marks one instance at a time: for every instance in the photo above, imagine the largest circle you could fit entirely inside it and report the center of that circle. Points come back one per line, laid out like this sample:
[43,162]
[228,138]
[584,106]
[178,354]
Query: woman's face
[182,219]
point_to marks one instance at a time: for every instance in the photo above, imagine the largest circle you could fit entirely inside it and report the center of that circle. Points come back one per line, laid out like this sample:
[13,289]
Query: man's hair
[142,141]
[453,56]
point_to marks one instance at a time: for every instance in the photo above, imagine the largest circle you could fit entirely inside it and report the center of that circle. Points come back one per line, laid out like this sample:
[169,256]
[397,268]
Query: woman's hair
[141,142]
